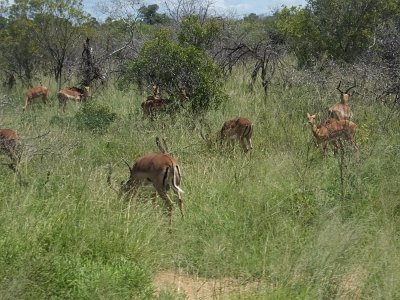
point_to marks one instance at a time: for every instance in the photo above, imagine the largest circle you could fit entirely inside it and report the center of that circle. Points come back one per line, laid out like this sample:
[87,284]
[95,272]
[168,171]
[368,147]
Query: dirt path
[192,288]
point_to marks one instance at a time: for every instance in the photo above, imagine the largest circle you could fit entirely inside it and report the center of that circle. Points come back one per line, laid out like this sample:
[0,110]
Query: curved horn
[355,84]
[109,173]
[126,162]
[163,149]
[338,87]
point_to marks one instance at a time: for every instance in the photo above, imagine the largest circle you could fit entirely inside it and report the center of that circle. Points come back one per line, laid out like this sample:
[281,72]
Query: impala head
[344,95]
[156,91]
[183,95]
[86,91]
[311,118]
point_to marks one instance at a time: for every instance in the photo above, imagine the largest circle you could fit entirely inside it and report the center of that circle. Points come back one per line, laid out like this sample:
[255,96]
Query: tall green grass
[300,225]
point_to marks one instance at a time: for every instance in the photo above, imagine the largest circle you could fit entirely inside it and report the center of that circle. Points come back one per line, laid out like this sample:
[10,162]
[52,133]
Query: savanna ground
[280,222]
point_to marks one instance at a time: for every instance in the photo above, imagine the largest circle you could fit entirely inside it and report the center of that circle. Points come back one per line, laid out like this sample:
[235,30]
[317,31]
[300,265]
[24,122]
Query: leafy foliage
[48,31]
[336,29]
[198,34]
[149,15]
[172,66]
[95,117]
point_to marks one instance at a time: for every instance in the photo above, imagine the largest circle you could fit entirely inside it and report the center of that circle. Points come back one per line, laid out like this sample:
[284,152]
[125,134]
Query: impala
[155,102]
[183,97]
[341,110]
[36,92]
[331,132]
[10,145]
[72,94]
[150,106]
[239,128]
[159,169]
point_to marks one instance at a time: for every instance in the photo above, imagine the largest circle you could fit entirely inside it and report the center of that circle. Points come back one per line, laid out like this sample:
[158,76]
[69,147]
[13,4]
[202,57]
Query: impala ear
[308,115]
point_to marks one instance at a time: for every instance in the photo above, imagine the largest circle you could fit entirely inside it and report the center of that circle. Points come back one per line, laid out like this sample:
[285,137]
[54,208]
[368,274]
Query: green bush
[172,66]
[95,117]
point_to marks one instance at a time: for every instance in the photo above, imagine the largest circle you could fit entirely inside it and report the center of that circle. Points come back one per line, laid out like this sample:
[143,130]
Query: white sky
[237,7]
[259,7]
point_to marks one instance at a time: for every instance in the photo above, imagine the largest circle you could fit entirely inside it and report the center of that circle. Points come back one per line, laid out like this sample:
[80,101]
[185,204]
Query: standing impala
[71,94]
[341,110]
[36,92]
[159,169]
[10,145]
[239,128]
[331,132]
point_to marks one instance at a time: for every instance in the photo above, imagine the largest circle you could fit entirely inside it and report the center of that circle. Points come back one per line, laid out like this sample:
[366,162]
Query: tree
[172,67]
[149,15]
[199,34]
[20,55]
[337,29]
[55,28]
[177,9]
[252,41]
[59,32]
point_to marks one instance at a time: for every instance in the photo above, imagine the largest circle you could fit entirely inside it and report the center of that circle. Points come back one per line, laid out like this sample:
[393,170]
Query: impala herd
[161,169]
[338,127]
[67,93]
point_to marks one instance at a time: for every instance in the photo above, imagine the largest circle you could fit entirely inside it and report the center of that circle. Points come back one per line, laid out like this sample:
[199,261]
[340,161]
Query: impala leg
[180,202]
[250,143]
[323,146]
[154,200]
[335,146]
[168,204]
[26,105]
[353,143]
[130,189]
[243,144]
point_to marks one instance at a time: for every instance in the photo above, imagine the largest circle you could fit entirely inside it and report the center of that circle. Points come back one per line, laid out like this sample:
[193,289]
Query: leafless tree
[264,51]
[177,9]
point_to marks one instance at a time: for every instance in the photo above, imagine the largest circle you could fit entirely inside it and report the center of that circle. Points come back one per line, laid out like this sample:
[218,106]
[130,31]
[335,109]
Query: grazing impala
[10,145]
[341,110]
[36,92]
[150,106]
[153,102]
[72,94]
[159,169]
[331,132]
[239,128]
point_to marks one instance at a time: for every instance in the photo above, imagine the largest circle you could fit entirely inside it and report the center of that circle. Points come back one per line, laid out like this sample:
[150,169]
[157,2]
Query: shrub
[172,66]
[94,117]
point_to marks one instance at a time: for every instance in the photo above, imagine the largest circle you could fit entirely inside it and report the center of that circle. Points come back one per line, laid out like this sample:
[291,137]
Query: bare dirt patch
[192,288]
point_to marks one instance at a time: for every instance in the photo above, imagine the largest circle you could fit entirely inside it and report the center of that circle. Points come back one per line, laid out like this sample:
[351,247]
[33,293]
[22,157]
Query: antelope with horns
[341,110]
[36,92]
[10,145]
[72,94]
[332,131]
[159,169]
[153,102]
[240,129]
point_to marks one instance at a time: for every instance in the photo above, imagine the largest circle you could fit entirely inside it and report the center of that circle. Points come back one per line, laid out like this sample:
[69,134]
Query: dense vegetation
[296,224]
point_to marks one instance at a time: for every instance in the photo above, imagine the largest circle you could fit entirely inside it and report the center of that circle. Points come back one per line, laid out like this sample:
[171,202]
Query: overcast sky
[238,7]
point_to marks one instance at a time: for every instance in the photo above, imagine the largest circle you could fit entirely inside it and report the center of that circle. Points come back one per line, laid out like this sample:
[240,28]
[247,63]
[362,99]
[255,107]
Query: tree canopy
[336,29]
